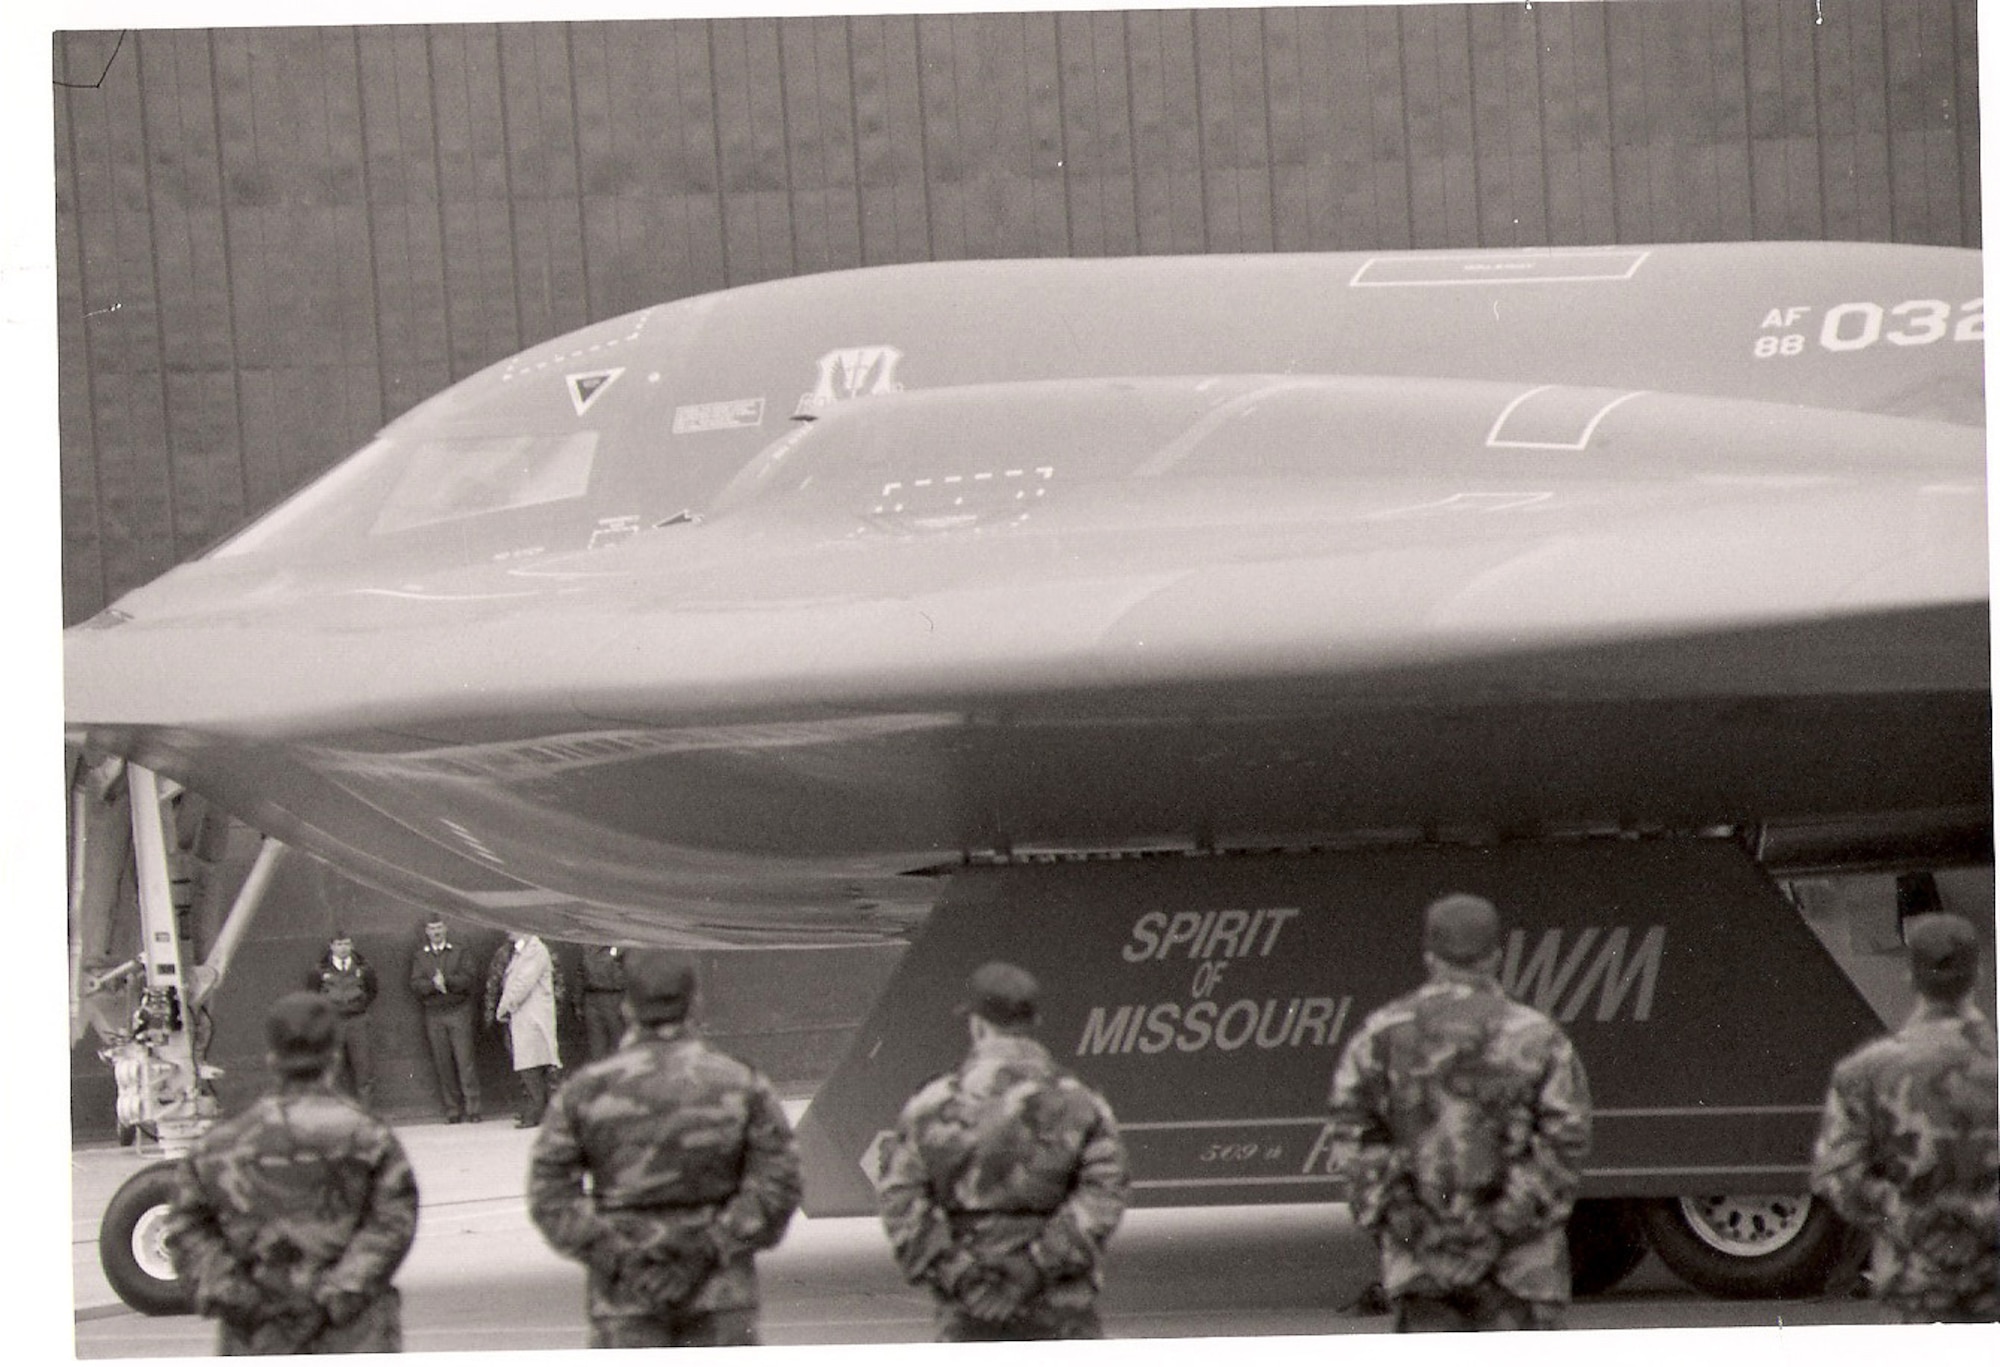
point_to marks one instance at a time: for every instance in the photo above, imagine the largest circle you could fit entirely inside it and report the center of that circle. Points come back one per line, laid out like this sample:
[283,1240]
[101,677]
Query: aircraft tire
[1607,1239]
[1746,1247]
[129,1246]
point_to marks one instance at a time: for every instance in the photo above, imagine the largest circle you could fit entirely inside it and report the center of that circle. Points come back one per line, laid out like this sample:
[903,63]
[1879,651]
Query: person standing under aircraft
[1460,1119]
[600,998]
[348,983]
[289,1220]
[442,977]
[527,1007]
[692,1171]
[1909,1142]
[1005,1181]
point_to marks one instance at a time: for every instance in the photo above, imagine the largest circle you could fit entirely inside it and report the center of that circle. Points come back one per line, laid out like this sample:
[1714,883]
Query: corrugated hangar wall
[272,241]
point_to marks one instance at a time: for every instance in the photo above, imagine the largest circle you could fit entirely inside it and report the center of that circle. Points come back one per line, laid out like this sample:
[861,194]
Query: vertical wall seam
[1542,122]
[1611,127]
[576,160]
[1716,95]
[159,323]
[1888,115]
[1403,105]
[1200,126]
[785,143]
[1270,142]
[715,137]
[1819,123]
[854,129]
[1749,115]
[507,176]
[923,132]
[438,179]
[1961,180]
[1062,139]
[228,275]
[1131,129]
[70,98]
[368,227]
[1472,119]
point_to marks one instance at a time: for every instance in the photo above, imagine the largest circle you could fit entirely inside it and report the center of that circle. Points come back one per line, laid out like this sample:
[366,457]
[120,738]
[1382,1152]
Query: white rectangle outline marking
[1358,283]
[689,410]
[1494,442]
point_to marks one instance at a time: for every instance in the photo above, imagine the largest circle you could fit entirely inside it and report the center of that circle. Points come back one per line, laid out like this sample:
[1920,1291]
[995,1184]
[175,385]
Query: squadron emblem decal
[850,373]
[588,386]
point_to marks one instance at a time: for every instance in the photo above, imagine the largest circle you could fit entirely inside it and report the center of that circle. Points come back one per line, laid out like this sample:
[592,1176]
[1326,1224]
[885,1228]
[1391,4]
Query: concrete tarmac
[480,1278]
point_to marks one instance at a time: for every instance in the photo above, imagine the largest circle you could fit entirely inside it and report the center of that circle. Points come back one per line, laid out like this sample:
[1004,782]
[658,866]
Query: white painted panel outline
[1546,423]
[1525,268]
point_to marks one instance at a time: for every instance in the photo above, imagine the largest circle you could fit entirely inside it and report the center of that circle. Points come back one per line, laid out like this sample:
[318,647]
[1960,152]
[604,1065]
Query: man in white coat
[528,1007]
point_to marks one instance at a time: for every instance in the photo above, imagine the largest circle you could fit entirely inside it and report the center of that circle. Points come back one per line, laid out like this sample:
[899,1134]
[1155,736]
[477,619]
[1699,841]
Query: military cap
[1461,929]
[659,986]
[1944,953]
[301,1030]
[1001,993]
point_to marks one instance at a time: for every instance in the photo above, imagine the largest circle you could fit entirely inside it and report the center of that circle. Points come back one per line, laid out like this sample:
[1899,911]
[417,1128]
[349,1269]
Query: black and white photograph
[809,680]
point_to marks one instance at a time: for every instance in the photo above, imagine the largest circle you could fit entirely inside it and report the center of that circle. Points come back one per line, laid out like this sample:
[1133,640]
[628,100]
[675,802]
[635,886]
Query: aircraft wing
[521,658]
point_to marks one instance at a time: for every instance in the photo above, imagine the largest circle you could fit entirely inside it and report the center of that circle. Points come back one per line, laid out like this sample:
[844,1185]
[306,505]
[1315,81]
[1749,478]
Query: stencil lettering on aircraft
[1212,941]
[718,417]
[1558,975]
[1859,324]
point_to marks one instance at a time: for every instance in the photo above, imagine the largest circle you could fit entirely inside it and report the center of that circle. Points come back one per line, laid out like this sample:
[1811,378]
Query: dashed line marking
[1043,472]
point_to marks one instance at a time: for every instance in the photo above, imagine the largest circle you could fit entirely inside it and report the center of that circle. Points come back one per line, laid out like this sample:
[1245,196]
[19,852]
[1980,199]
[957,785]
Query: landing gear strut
[164,1090]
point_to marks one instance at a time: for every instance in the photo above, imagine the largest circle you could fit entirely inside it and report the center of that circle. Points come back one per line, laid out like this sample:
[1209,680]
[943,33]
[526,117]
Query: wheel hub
[149,1245]
[1746,1226]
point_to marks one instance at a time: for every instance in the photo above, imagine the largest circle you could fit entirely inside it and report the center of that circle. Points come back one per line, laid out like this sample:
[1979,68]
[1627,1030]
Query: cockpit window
[396,485]
[464,477]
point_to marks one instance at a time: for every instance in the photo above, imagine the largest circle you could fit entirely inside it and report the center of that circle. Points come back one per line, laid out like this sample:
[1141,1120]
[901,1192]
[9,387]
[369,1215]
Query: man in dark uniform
[1006,1180]
[443,977]
[347,982]
[289,1220]
[1461,1120]
[1909,1143]
[600,1002]
[691,1170]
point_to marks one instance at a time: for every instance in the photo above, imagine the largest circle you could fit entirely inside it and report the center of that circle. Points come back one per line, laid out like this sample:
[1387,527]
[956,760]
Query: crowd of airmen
[1461,1117]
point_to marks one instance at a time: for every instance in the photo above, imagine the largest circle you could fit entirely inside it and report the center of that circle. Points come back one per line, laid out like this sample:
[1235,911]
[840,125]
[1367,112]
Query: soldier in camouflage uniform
[1460,1119]
[1005,1180]
[692,1171]
[289,1220]
[1909,1146]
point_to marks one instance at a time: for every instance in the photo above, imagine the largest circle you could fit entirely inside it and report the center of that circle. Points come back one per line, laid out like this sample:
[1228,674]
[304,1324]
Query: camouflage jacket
[687,1151]
[1460,1118]
[1909,1150]
[1006,1154]
[300,1201]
